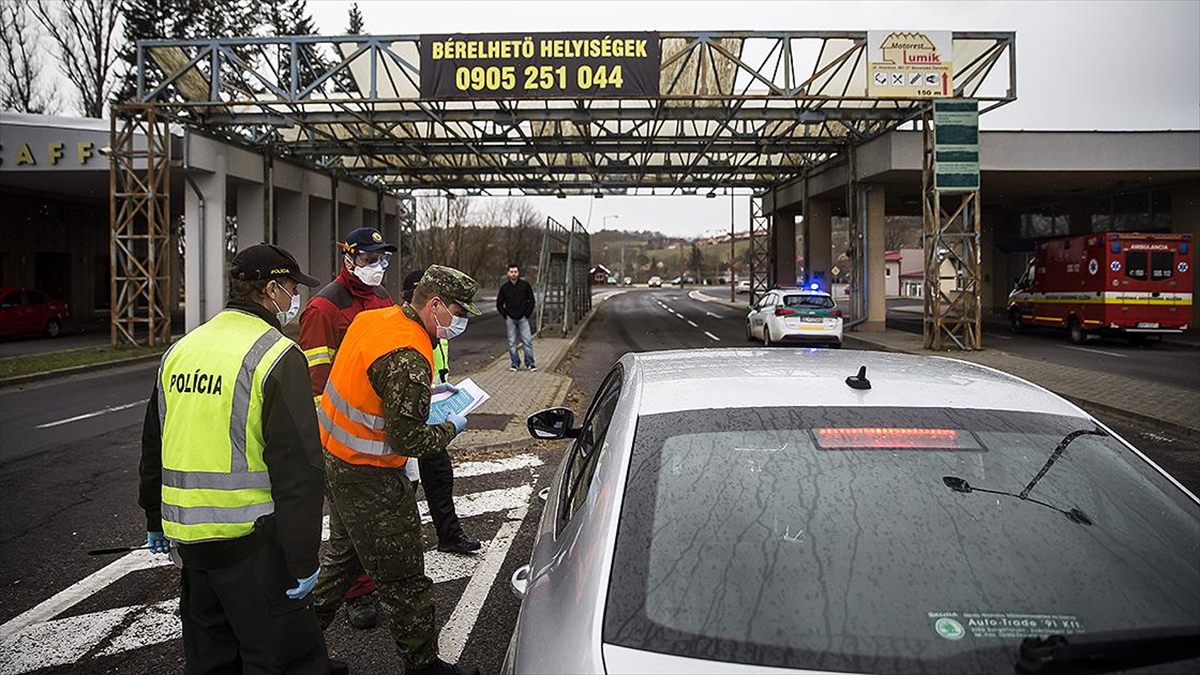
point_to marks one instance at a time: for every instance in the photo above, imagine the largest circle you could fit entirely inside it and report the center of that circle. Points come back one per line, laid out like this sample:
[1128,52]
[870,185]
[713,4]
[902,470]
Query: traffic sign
[910,64]
[956,145]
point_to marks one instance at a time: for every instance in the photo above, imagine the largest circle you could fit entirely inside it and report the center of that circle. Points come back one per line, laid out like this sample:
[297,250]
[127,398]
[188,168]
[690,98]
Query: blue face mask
[458,324]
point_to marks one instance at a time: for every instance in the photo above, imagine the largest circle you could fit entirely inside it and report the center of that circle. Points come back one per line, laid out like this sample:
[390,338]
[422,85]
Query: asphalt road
[72,487]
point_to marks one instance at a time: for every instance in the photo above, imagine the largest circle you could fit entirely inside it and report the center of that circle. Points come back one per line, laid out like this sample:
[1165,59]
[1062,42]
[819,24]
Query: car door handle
[520,581]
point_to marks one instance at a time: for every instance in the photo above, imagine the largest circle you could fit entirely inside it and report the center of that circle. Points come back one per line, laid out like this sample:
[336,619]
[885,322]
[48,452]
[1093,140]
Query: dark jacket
[294,460]
[515,300]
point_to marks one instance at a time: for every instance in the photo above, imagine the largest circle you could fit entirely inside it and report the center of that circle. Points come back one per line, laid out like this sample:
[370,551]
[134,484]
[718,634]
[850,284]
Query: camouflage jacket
[401,379]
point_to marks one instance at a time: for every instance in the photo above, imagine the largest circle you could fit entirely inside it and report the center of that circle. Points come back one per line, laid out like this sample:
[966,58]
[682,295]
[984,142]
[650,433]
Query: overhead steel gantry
[733,111]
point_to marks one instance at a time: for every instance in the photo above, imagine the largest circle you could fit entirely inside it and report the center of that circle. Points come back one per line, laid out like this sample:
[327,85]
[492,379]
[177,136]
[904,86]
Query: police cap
[268,261]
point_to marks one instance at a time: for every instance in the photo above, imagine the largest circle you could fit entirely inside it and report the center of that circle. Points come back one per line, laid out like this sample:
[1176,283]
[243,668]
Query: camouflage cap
[452,285]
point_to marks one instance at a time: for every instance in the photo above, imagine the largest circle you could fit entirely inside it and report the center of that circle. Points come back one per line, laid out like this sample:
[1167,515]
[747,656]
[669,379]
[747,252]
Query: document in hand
[468,397]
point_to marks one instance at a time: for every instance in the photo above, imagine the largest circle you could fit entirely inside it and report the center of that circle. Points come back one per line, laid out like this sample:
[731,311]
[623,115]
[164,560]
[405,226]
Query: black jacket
[515,300]
[294,460]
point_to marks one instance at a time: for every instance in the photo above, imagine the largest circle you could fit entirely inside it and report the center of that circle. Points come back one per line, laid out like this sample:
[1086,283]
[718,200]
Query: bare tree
[21,88]
[85,32]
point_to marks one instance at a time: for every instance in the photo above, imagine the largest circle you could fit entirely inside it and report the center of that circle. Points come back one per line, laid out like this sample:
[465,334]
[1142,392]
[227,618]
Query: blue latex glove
[157,543]
[303,586]
[459,421]
[443,388]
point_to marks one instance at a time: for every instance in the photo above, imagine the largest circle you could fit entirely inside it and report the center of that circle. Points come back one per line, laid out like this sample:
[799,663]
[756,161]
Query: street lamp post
[621,274]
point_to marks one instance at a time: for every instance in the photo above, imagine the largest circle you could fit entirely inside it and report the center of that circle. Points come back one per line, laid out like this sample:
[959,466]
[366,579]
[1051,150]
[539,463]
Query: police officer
[435,471]
[373,416]
[231,475]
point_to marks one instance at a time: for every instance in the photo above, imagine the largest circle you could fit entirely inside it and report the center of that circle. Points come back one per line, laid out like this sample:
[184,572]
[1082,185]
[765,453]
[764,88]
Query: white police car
[794,315]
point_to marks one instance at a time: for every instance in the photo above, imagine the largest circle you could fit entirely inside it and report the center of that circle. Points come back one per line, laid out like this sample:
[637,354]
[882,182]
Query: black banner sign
[540,65]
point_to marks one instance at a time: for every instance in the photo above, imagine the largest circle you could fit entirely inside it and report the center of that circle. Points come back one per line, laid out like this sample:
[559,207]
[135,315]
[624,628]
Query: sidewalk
[1152,402]
[517,395]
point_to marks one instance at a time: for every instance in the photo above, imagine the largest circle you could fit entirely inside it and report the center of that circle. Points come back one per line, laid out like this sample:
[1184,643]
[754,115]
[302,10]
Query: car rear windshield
[808,301]
[891,539]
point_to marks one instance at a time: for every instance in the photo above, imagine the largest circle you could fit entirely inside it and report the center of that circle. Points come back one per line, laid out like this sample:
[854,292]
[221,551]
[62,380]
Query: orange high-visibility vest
[351,413]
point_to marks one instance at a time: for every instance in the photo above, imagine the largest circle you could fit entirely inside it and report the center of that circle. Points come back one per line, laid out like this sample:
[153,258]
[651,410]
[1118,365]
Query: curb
[1178,429]
[74,370]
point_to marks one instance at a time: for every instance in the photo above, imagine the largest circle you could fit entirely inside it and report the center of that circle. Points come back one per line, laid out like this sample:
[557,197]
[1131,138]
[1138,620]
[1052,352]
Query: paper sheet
[468,397]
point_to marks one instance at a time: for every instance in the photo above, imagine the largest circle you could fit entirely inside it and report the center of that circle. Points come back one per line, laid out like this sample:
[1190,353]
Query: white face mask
[371,275]
[458,324]
[286,317]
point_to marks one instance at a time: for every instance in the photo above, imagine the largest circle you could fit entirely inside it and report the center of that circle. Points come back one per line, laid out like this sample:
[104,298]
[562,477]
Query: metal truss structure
[734,110]
[139,181]
[951,241]
[563,276]
[760,249]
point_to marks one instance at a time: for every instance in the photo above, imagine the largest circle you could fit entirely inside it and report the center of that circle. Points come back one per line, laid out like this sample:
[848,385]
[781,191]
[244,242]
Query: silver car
[753,510]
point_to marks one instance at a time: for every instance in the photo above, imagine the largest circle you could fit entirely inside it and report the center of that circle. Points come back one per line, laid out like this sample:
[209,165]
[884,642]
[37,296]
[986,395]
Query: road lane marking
[712,336]
[83,589]
[468,505]
[97,413]
[469,469]
[458,627]
[65,641]
[715,316]
[692,324]
[1093,351]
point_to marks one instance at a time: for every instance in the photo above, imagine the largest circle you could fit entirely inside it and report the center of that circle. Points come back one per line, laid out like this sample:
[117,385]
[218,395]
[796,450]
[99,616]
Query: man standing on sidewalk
[365,258]
[515,303]
[435,471]
[373,416]
[232,474]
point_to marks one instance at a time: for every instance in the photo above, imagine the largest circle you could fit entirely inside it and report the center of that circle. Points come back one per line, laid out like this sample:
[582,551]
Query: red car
[29,311]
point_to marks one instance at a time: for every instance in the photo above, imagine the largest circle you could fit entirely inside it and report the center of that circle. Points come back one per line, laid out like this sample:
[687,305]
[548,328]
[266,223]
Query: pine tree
[150,20]
[356,21]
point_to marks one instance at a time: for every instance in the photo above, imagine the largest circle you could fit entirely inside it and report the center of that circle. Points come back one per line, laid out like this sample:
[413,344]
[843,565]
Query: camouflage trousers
[374,526]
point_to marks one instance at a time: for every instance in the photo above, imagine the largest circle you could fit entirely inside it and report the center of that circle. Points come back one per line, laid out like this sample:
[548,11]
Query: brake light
[888,437]
[784,311]
[836,313]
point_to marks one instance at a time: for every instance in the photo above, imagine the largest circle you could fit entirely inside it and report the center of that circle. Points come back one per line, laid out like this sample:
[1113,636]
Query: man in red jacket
[322,327]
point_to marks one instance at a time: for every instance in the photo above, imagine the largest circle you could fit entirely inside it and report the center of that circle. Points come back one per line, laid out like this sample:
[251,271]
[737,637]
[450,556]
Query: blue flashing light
[1183,247]
[815,286]
[1116,247]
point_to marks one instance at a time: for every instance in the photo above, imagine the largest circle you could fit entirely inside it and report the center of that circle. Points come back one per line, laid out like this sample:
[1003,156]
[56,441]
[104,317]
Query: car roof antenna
[859,381]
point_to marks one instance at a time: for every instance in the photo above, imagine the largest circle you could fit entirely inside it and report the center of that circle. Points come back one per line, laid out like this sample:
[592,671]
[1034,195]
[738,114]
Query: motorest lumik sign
[540,65]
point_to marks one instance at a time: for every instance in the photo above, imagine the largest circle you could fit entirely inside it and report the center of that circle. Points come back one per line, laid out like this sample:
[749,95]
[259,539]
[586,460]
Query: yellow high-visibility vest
[210,390]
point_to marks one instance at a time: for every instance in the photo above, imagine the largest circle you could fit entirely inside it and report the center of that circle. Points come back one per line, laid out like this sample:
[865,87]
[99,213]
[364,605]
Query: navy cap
[268,261]
[366,240]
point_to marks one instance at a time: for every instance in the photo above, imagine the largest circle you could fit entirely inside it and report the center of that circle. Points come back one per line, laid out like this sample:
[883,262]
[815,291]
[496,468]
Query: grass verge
[16,366]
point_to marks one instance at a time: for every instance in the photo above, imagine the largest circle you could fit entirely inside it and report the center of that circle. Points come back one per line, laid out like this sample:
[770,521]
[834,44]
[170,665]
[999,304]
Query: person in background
[435,471]
[357,287]
[232,475]
[374,416]
[515,303]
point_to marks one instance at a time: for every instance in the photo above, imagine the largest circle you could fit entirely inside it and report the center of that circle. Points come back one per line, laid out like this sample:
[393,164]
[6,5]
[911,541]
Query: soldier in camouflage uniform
[373,519]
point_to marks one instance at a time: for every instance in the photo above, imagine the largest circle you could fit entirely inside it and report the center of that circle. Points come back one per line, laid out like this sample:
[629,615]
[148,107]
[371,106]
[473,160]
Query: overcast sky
[1080,65]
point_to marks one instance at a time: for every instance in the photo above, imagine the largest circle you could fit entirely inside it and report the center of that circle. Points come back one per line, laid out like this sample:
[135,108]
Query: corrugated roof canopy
[733,109]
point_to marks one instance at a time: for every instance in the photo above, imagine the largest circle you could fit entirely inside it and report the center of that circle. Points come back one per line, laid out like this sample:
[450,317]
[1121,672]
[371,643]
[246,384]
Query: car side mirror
[552,423]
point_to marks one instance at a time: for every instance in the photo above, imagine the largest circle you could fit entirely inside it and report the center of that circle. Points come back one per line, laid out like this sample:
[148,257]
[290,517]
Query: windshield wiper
[1073,514]
[1108,650]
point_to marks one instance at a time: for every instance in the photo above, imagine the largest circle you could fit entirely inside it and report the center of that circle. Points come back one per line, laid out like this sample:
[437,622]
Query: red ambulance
[1123,283]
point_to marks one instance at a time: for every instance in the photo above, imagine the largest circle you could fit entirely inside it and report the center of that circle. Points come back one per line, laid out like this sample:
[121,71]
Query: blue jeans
[521,325]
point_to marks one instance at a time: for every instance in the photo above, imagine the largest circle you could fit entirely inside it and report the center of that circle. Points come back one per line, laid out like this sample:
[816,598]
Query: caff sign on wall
[45,148]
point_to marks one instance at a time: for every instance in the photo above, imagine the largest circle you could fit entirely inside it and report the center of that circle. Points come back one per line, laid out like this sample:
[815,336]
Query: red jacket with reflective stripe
[351,412]
[325,319]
